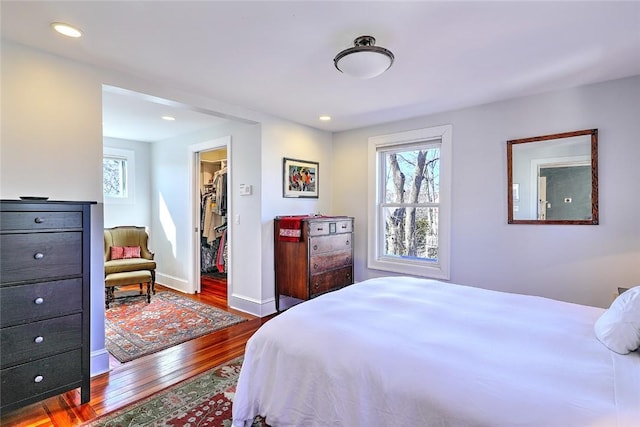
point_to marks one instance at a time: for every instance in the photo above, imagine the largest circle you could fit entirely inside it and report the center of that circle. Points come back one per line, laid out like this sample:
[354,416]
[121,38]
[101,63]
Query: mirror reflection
[553,179]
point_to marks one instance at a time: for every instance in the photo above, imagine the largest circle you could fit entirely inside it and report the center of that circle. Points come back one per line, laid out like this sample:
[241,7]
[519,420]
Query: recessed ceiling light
[168,118]
[66,29]
[324,118]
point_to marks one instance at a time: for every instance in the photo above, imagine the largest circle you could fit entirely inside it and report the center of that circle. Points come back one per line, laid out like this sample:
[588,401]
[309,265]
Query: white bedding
[412,352]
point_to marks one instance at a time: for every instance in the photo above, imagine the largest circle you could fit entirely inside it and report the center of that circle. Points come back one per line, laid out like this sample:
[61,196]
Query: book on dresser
[312,255]
[44,300]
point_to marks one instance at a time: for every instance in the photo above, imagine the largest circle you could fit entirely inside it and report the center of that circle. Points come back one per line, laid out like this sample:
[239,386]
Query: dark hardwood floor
[129,382]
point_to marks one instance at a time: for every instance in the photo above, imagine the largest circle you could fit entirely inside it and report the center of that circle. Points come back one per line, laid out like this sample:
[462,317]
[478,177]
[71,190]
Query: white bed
[412,352]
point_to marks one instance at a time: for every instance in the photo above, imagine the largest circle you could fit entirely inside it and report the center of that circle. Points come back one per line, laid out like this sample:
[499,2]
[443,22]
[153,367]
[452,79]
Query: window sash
[380,146]
[122,172]
[127,159]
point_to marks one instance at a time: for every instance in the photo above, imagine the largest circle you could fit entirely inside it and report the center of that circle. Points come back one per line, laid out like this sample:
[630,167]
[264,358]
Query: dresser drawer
[344,226]
[40,255]
[330,280]
[330,261]
[318,228]
[40,220]
[40,377]
[34,340]
[23,303]
[336,242]
[324,228]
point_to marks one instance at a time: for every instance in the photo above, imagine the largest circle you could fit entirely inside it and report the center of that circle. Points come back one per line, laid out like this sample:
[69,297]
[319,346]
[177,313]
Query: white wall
[136,211]
[582,264]
[171,207]
[285,139]
[52,146]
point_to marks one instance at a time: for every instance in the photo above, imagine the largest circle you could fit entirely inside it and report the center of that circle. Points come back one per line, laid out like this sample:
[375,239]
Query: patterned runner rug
[135,328]
[204,401]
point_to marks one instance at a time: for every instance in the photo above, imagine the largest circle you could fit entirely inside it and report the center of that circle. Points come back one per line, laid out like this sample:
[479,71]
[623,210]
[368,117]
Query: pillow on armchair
[125,252]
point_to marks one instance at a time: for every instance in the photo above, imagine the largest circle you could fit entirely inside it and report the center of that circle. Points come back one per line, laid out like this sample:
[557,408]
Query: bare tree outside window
[410,202]
[114,177]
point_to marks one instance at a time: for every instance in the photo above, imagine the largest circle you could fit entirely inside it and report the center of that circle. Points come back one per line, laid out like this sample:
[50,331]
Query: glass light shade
[364,64]
[66,29]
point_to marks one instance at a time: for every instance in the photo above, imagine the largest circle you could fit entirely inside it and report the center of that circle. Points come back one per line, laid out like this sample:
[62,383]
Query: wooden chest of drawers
[44,300]
[319,261]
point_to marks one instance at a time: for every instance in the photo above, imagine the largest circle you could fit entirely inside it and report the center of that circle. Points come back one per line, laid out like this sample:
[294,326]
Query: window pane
[411,233]
[412,176]
[114,177]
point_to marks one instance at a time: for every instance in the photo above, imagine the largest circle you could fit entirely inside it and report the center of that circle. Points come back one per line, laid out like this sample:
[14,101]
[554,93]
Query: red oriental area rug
[204,400]
[135,328]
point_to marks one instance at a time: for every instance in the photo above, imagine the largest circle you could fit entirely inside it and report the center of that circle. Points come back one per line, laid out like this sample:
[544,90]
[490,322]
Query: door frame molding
[194,202]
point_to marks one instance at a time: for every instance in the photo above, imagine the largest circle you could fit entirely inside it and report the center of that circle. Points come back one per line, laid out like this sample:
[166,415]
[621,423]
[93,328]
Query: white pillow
[619,327]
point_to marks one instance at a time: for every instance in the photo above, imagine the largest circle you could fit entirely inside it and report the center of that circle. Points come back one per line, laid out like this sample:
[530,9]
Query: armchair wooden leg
[109,296]
[153,281]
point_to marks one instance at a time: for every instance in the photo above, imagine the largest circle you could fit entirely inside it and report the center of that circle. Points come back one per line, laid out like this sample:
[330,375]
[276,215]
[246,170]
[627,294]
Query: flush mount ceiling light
[66,29]
[365,60]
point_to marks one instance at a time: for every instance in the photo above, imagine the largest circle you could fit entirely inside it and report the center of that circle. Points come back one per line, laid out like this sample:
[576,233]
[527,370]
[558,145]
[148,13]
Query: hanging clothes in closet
[214,235]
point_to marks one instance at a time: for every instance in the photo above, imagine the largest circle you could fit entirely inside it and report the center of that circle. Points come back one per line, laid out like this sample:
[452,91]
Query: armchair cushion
[129,264]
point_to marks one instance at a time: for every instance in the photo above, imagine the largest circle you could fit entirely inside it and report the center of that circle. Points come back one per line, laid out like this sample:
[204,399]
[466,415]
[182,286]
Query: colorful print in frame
[299,178]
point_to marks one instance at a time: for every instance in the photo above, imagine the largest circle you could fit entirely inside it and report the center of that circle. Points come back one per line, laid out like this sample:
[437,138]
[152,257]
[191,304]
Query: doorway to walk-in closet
[214,205]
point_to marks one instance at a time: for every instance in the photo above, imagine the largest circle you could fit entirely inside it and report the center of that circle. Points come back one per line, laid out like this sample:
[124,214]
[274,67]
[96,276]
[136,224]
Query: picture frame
[300,178]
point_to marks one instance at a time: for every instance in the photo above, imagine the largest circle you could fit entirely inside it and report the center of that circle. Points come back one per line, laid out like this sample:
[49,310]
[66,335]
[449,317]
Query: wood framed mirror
[553,179]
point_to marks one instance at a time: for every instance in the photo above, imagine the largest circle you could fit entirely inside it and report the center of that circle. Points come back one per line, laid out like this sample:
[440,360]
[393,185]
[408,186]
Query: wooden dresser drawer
[325,228]
[330,261]
[40,220]
[336,242]
[34,340]
[24,303]
[40,377]
[330,280]
[344,226]
[317,228]
[40,256]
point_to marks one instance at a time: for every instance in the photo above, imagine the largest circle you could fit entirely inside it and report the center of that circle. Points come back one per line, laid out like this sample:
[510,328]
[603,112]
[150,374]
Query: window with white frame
[409,202]
[118,167]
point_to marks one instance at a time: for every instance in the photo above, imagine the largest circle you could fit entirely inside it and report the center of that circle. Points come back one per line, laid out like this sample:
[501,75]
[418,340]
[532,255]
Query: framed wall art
[299,178]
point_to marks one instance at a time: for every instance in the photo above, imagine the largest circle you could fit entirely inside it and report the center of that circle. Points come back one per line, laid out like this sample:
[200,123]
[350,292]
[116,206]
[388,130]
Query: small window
[114,177]
[117,175]
[410,199]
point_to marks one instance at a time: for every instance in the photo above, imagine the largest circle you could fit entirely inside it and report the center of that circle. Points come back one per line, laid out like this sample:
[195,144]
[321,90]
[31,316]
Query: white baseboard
[177,283]
[252,306]
[99,362]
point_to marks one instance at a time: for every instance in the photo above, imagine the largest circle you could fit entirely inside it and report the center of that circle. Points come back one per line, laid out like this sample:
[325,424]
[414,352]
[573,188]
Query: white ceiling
[277,57]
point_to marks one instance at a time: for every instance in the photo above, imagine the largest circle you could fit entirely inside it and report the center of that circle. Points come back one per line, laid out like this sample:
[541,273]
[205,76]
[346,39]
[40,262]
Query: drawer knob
[347,243]
[38,340]
[38,379]
[316,286]
[315,247]
[39,300]
[39,220]
[315,266]
[38,255]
